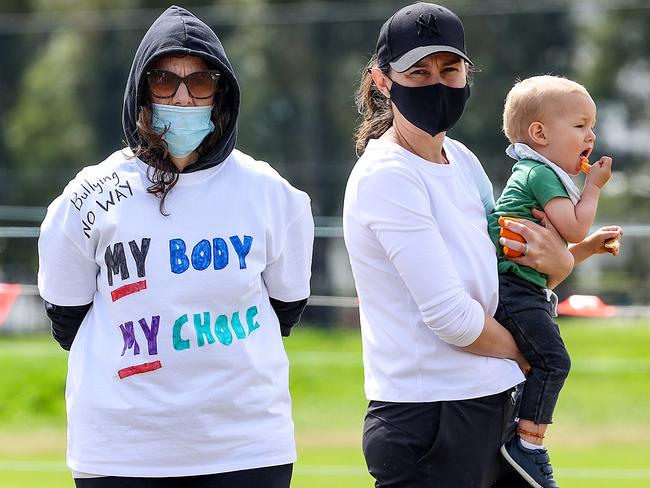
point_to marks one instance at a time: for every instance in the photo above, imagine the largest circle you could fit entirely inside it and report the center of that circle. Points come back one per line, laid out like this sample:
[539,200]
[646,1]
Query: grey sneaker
[533,465]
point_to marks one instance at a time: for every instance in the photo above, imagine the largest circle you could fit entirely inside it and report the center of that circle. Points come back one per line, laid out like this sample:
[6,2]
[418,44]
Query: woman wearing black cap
[171,271]
[440,372]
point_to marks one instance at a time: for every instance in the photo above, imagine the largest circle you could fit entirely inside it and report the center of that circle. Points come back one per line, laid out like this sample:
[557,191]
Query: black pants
[525,311]
[450,444]
[271,477]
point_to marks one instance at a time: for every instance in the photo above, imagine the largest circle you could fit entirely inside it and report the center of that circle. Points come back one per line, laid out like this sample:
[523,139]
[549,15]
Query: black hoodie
[177,31]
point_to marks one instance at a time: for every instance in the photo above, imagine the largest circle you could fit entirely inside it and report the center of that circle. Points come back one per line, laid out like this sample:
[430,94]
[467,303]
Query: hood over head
[177,31]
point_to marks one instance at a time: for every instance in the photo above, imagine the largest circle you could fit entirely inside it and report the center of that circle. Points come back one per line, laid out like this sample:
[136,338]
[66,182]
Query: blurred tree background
[65,63]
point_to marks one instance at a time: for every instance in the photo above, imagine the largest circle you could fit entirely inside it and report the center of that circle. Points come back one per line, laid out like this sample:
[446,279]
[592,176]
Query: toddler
[550,122]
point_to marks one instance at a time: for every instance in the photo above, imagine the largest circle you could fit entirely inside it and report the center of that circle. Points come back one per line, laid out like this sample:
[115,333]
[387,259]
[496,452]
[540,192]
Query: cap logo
[427,24]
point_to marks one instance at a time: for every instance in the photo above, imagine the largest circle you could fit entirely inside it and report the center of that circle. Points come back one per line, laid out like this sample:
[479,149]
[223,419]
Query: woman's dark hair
[373,107]
[152,149]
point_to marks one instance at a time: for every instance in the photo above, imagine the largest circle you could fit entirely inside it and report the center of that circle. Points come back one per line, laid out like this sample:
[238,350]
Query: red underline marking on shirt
[139,369]
[125,290]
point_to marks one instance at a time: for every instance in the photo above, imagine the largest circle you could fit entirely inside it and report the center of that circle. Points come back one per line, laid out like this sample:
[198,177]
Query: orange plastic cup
[508,234]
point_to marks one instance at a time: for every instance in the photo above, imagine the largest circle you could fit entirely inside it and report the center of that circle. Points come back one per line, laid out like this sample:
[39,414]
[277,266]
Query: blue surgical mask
[186,126]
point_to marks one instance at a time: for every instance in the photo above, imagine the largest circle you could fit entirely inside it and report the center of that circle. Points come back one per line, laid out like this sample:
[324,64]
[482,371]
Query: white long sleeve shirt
[425,272]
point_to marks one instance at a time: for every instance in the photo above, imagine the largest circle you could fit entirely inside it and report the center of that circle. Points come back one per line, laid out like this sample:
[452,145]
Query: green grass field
[600,439]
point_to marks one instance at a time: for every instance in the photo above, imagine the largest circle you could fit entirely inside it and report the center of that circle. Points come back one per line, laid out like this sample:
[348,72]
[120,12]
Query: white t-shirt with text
[179,367]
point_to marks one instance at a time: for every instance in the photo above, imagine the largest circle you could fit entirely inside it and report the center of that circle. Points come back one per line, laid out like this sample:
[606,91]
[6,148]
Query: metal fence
[622,281]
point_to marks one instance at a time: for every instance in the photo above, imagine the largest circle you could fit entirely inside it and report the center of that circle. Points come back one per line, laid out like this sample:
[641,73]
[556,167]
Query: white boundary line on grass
[343,470]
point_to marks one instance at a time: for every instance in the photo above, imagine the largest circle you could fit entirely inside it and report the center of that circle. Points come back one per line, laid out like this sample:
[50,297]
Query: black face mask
[432,108]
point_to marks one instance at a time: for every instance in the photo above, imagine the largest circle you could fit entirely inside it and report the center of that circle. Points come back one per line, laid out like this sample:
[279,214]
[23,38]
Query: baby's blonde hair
[528,99]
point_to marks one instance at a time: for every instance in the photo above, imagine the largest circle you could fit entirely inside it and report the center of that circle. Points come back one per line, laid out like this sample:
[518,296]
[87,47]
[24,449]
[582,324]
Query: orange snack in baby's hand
[584,165]
[508,234]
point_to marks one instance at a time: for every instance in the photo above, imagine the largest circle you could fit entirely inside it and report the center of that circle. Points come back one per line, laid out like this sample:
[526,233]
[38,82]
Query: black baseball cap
[416,31]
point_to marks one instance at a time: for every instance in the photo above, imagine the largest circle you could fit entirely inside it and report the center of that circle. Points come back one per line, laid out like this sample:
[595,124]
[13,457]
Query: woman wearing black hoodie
[171,271]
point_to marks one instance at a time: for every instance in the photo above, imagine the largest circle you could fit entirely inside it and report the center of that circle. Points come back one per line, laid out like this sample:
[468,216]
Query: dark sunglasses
[200,84]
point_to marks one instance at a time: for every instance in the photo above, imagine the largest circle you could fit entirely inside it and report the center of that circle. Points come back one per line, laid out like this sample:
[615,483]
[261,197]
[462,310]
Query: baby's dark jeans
[527,313]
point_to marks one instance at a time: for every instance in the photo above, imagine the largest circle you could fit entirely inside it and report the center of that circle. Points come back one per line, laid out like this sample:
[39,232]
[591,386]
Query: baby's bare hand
[600,172]
[596,241]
